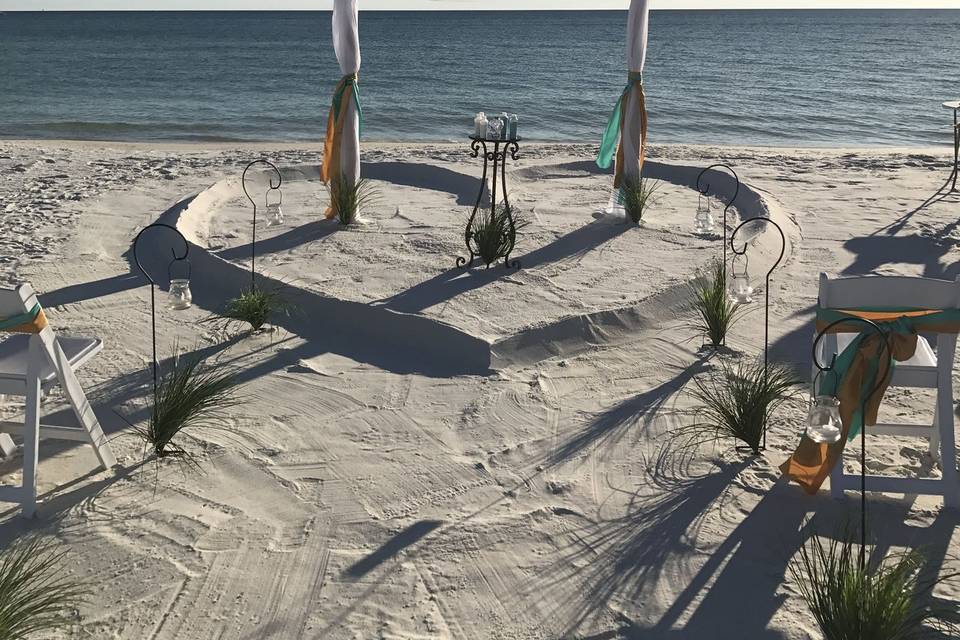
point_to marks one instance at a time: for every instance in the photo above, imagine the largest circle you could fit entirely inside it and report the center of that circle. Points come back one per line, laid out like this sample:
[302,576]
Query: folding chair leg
[31,430]
[80,404]
[948,448]
[836,479]
[935,437]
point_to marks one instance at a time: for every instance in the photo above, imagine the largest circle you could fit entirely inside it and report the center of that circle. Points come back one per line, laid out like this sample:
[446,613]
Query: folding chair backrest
[18,303]
[892,291]
[888,291]
[13,302]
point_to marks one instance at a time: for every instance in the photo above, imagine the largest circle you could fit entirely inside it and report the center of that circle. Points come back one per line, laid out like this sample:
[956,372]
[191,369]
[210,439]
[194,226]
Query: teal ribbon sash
[348,83]
[611,134]
[905,325]
[23,318]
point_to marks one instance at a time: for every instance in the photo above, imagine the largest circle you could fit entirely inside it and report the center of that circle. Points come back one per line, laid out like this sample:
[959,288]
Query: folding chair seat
[32,361]
[14,356]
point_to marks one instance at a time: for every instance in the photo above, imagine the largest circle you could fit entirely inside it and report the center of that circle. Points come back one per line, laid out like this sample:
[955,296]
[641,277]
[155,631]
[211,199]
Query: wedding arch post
[341,154]
[625,137]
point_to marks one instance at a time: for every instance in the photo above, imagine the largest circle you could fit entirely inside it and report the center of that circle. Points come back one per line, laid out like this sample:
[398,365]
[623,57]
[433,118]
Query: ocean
[772,78]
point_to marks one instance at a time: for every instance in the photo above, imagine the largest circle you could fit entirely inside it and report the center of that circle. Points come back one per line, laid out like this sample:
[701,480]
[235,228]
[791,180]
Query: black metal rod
[950,186]
[766,292]
[956,150]
[885,345]
[475,145]
[253,242]
[153,286]
[512,147]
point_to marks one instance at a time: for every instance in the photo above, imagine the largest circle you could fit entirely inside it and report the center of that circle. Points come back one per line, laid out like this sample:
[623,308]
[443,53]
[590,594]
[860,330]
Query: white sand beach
[427,452]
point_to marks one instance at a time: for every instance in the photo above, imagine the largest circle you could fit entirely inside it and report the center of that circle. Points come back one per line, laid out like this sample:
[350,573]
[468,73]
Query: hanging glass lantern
[274,209]
[179,297]
[703,221]
[823,420]
[740,289]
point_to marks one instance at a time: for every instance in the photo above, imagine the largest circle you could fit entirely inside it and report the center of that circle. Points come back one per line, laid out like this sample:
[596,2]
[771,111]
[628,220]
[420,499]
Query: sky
[103,5]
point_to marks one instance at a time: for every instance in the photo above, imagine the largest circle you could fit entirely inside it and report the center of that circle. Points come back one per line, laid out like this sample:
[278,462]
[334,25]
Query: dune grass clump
[737,402]
[716,311]
[254,307]
[637,196]
[888,600]
[189,397]
[348,198]
[35,593]
[492,234]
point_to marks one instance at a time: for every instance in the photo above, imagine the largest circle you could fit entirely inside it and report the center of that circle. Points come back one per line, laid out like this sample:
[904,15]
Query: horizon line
[479,9]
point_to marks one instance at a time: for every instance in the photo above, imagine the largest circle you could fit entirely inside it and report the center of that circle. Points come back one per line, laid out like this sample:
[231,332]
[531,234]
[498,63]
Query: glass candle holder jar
[823,420]
[740,289]
[274,214]
[703,222]
[180,296]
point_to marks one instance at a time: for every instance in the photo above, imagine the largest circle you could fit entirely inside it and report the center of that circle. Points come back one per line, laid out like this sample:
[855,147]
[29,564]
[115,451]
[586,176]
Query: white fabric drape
[637,27]
[346,44]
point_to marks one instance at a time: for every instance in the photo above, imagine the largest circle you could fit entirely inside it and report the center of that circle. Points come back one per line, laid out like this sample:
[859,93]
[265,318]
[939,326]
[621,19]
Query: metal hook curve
[705,190]
[783,241]
[243,178]
[186,248]
[885,344]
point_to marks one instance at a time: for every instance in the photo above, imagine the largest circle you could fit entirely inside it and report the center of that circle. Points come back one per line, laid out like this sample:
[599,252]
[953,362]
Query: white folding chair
[931,367]
[32,360]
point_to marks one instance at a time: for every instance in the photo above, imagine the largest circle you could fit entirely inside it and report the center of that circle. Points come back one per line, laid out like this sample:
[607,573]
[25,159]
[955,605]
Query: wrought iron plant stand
[498,156]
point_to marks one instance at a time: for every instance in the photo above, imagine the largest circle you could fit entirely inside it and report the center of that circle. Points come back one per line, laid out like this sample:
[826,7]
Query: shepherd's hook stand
[253,242]
[885,349]
[705,191]
[766,293]
[499,159]
[153,285]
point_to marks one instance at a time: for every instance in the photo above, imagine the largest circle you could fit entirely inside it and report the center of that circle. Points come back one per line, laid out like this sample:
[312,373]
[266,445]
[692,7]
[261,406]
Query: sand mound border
[415,343]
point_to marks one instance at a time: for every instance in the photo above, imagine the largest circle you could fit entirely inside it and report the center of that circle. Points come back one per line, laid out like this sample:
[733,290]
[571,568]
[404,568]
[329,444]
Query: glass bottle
[480,125]
[494,128]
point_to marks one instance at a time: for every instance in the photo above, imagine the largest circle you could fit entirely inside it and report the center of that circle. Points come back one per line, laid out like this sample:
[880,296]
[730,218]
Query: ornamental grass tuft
[35,592]
[888,600]
[254,307]
[737,402]
[716,311]
[189,397]
[637,196]
[491,232]
[348,198]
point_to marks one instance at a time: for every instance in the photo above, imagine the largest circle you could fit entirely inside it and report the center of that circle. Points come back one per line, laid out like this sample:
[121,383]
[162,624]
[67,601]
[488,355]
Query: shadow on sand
[454,282]
[286,241]
[611,426]
[614,564]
